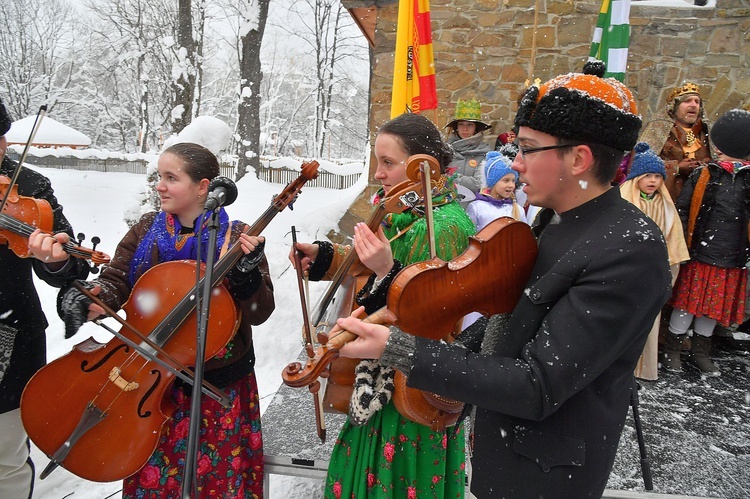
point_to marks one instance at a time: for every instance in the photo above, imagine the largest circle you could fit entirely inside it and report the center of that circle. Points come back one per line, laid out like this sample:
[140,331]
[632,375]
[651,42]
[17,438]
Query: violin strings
[25,230]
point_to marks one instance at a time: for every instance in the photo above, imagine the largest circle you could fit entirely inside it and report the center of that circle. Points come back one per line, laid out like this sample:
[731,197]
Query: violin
[100,410]
[22,215]
[339,298]
[488,277]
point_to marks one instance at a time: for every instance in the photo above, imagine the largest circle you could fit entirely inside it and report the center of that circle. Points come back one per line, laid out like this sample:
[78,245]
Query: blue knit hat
[496,166]
[645,161]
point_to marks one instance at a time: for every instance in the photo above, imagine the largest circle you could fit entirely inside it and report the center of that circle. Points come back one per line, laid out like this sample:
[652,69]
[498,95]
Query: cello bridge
[120,382]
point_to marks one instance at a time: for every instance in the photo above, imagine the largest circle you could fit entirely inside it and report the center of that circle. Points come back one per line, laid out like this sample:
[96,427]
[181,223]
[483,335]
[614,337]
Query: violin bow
[37,123]
[424,168]
[308,338]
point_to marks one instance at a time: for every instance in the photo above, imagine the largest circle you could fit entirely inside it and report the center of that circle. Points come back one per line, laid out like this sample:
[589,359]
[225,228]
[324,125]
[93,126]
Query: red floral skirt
[230,457]
[714,292]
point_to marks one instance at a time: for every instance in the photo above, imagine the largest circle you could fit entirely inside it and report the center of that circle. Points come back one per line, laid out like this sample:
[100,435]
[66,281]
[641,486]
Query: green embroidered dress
[391,457]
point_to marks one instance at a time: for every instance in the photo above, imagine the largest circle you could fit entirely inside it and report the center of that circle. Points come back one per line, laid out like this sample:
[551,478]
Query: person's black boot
[699,355]
[672,350]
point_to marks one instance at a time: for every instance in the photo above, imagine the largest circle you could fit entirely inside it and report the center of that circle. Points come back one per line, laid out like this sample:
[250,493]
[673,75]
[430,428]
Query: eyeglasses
[529,150]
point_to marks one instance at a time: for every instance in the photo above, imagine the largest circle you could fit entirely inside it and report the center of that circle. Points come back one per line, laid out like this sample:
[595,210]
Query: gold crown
[686,88]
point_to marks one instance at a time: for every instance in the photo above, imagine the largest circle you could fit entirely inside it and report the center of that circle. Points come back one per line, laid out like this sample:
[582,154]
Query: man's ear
[583,160]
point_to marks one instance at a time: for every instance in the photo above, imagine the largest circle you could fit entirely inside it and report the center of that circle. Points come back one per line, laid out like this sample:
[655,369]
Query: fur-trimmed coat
[720,236]
[666,139]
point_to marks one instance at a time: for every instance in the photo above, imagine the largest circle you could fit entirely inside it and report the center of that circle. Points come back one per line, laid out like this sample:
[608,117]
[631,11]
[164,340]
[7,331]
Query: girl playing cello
[379,453]
[230,454]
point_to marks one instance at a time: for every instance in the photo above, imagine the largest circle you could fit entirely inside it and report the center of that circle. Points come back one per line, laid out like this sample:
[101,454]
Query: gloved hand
[248,262]
[73,307]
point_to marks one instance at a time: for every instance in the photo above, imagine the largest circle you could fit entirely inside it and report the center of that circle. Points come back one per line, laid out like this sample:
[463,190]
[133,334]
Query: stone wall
[489,49]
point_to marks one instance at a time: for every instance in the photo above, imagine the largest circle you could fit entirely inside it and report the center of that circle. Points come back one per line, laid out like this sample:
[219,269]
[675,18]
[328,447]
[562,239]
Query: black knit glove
[248,262]
[73,307]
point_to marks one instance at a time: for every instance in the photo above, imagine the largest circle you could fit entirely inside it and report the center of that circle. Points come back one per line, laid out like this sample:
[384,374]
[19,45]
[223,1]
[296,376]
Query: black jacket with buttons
[552,400]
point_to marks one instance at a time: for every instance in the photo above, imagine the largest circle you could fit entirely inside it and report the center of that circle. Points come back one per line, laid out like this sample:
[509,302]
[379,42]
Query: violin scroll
[291,191]
[296,375]
[416,162]
[96,258]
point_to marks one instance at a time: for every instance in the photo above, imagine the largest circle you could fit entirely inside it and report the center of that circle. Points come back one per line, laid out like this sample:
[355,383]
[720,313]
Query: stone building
[490,49]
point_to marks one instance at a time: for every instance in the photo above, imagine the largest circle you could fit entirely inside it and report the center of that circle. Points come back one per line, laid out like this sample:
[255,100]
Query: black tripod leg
[645,463]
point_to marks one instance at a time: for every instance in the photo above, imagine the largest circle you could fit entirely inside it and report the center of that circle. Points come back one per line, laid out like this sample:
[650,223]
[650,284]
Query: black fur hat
[731,133]
[583,106]
[5,120]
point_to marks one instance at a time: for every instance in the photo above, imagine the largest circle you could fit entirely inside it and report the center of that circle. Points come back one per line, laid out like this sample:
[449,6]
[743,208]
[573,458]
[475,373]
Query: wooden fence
[324,179]
[138,166]
[90,164]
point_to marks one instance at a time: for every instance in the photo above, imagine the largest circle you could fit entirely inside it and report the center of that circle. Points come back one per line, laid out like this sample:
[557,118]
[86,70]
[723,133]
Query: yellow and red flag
[414,88]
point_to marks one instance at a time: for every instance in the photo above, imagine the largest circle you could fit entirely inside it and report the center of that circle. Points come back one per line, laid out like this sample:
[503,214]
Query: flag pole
[533,43]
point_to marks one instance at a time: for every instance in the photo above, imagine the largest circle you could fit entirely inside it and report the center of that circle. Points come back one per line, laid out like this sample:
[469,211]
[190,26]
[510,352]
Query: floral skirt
[230,457]
[714,292]
[391,457]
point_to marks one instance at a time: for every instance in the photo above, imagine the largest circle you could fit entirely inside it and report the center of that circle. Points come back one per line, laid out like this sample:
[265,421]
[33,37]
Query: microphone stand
[190,478]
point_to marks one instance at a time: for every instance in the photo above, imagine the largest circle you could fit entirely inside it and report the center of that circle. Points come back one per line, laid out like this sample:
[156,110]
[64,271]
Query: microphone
[221,192]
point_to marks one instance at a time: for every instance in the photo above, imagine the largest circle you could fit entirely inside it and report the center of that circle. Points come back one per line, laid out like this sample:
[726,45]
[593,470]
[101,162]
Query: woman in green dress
[379,453]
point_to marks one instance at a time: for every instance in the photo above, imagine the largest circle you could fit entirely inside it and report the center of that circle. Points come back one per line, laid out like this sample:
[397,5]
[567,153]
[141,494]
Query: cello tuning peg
[93,269]
[80,237]
[94,241]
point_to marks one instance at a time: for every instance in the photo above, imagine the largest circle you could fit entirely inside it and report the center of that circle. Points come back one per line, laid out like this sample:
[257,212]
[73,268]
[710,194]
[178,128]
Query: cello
[488,277]
[99,411]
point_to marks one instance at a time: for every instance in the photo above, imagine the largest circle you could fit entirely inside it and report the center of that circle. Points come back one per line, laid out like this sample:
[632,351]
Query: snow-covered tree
[37,47]
[329,34]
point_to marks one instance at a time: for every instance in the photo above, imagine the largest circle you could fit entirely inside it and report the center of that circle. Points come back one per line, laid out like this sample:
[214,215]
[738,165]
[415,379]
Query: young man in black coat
[552,385]
[22,322]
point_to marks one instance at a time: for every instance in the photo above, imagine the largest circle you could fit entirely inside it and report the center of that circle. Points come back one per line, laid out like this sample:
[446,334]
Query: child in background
[497,199]
[644,187]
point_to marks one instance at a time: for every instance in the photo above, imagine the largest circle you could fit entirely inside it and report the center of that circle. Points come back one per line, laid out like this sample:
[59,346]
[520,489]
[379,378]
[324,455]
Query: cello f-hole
[104,359]
[148,393]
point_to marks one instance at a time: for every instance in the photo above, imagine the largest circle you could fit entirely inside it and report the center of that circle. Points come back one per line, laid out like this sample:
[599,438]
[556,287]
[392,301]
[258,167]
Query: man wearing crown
[682,138]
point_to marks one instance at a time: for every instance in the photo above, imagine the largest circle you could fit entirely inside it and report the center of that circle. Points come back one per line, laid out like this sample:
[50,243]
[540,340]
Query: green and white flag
[612,36]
